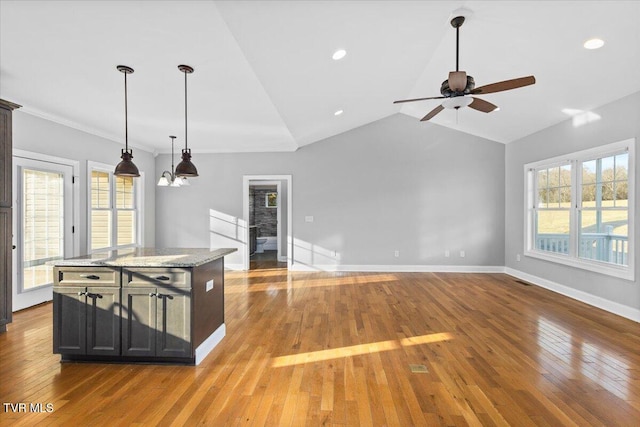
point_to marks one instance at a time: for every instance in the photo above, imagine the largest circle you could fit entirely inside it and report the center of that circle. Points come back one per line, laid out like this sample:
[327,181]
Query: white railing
[605,247]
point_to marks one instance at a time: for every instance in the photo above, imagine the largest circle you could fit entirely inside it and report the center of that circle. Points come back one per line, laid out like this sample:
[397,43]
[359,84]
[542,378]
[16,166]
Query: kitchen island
[139,305]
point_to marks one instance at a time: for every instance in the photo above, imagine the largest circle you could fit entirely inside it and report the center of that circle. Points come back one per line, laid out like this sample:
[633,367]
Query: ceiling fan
[458,88]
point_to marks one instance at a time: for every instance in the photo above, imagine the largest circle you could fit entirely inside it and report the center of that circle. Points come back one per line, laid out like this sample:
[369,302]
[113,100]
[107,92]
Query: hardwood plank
[334,349]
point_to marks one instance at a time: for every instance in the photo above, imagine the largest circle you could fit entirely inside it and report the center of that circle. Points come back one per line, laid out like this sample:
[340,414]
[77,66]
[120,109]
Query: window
[579,209]
[42,225]
[114,209]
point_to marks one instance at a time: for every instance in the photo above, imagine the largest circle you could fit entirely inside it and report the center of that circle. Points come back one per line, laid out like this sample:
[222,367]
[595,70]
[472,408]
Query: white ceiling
[264,79]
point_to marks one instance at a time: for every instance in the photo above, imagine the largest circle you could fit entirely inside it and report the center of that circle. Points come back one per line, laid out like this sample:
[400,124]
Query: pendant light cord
[126,123]
[457,46]
[185,110]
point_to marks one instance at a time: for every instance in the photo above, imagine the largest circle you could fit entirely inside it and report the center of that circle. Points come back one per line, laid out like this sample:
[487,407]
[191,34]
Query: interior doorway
[267,207]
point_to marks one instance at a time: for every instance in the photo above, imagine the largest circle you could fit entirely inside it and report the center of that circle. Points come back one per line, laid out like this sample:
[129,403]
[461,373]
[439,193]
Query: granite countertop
[147,257]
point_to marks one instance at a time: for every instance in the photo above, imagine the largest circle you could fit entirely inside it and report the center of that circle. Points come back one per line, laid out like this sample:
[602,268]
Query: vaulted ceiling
[264,75]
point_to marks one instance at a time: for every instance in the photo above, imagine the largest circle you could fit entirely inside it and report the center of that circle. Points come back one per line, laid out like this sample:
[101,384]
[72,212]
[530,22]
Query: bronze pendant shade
[186,168]
[126,167]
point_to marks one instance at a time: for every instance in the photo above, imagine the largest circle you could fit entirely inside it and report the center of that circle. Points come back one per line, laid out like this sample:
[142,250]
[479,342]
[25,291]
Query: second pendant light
[185,168]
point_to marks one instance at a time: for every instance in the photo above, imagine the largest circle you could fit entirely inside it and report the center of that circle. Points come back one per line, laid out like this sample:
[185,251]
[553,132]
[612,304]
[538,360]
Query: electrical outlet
[462,254]
[308,219]
[518,257]
[209,285]
[396,253]
[447,253]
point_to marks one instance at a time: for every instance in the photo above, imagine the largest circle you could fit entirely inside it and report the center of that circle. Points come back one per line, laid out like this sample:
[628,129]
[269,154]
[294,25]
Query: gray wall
[620,120]
[394,184]
[31,133]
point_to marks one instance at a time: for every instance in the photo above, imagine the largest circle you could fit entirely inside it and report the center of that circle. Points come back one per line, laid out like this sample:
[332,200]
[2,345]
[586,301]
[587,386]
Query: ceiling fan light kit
[458,88]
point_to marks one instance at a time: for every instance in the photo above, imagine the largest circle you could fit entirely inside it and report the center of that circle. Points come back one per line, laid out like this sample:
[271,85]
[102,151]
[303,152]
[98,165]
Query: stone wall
[265,218]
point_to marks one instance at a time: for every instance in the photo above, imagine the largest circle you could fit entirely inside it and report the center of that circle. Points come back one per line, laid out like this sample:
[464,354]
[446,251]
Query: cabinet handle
[163,278]
[81,293]
[90,276]
[153,294]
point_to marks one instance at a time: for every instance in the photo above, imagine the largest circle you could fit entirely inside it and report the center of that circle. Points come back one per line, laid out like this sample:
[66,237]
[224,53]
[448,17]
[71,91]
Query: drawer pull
[153,294]
[90,276]
[163,278]
[81,293]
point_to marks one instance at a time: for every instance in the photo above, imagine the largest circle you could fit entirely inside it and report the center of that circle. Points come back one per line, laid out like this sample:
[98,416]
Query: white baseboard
[234,267]
[400,268]
[596,301]
[210,343]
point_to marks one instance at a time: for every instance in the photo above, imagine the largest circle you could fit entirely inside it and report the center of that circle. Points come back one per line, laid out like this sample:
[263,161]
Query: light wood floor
[336,349]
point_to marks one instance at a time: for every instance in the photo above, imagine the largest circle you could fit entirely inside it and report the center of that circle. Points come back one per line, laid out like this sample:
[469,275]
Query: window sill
[619,271]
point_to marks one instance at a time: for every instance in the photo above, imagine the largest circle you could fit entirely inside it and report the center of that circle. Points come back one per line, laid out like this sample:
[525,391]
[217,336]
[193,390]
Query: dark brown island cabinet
[139,305]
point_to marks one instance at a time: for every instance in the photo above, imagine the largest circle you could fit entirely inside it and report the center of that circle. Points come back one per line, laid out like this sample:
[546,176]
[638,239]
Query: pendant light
[185,168]
[169,178]
[126,166]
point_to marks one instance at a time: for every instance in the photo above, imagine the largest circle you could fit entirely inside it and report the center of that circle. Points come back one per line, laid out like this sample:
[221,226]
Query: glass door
[42,224]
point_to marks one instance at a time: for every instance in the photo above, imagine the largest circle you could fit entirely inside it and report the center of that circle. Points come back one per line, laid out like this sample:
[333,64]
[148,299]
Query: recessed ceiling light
[337,113]
[593,44]
[339,54]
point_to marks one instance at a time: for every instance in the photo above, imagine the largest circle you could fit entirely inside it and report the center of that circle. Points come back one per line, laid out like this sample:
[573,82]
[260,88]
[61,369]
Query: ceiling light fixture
[185,168]
[169,178]
[339,54]
[592,44]
[126,166]
[337,113]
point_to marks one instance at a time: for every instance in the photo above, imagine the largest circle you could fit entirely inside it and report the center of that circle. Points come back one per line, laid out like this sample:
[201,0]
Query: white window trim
[139,200]
[624,272]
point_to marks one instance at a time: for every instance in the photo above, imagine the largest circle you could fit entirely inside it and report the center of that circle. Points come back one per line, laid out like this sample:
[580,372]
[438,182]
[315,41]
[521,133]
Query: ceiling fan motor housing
[447,92]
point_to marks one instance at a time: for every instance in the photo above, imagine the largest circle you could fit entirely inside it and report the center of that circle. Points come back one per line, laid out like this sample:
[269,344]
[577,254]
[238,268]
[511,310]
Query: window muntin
[114,211]
[580,209]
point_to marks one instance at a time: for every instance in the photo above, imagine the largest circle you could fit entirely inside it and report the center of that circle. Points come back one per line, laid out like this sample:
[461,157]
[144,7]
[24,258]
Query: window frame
[138,200]
[572,258]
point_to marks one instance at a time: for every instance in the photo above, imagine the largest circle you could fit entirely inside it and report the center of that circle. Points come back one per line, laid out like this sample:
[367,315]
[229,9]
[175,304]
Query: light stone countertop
[147,257]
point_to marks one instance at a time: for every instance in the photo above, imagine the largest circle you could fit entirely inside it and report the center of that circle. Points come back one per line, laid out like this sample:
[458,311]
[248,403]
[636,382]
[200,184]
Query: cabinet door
[103,321]
[69,320]
[173,336]
[138,321]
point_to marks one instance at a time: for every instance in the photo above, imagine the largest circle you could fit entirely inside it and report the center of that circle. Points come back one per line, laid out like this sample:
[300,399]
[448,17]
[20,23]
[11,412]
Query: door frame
[75,203]
[246,182]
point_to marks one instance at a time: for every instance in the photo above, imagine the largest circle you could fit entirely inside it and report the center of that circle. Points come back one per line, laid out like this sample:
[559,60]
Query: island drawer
[83,276]
[176,277]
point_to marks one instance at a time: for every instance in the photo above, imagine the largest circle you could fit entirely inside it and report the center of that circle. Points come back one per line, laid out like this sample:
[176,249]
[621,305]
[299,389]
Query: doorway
[43,223]
[267,211]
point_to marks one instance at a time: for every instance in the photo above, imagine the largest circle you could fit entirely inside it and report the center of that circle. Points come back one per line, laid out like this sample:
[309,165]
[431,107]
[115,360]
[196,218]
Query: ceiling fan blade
[432,113]
[457,81]
[504,85]
[482,105]
[417,99]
